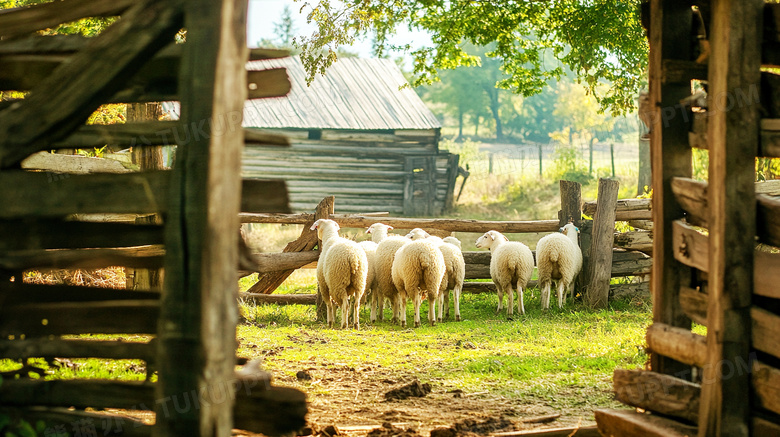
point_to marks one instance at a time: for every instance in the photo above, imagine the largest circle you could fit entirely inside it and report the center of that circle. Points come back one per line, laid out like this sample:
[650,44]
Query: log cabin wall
[187,330]
[716,257]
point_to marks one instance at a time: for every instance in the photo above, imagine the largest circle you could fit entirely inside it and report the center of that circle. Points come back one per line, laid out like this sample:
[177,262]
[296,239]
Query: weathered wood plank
[71,93]
[622,206]
[571,202]
[65,318]
[677,343]
[274,262]
[78,393]
[72,164]
[630,263]
[453,225]
[571,431]
[693,197]
[13,293]
[694,303]
[621,291]
[767,274]
[768,219]
[765,331]
[632,424]
[658,393]
[690,246]
[273,411]
[28,19]
[682,72]
[671,156]
[259,195]
[137,257]
[765,381]
[279,299]
[600,271]
[302,218]
[635,240]
[63,234]
[64,418]
[58,348]
[52,195]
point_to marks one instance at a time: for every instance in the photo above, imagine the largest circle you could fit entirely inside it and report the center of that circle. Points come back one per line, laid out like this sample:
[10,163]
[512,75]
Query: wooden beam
[625,423]
[622,208]
[600,272]
[630,263]
[690,246]
[677,343]
[671,156]
[259,195]
[570,431]
[52,195]
[20,21]
[453,225]
[58,348]
[72,164]
[301,218]
[272,411]
[279,299]
[137,257]
[64,418]
[199,315]
[66,318]
[694,303]
[14,293]
[62,234]
[71,93]
[279,261]
[635,240]
[682,72]
[571,203]
[768,219]
[765,381]
[659,393]
[766,275]
[765,331]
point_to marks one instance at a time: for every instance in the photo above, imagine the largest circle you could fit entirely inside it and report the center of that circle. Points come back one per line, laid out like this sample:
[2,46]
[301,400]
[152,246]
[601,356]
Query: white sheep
[511,264]
[378,233]
[418,267]
[341,271]
[455,272]
[558,258]
[383,267]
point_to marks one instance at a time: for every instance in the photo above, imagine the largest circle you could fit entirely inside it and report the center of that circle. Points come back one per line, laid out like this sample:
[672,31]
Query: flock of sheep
[398,268]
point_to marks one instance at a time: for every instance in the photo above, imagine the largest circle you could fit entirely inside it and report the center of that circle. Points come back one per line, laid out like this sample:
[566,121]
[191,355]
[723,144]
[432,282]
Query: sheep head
[378,227]
[452,240]
[322,225]
[490,239]
[417,234]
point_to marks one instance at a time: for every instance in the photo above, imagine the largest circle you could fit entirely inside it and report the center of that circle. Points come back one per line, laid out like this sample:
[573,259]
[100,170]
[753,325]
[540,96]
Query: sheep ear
[560,229]
[505,238]
[314,226]
[389,227]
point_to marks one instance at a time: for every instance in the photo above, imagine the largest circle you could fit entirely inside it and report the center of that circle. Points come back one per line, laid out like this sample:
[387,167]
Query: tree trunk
[493,95]
[644,178]
[460,123]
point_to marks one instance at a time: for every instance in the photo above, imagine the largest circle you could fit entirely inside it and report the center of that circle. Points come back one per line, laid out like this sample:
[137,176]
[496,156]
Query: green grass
[541,354]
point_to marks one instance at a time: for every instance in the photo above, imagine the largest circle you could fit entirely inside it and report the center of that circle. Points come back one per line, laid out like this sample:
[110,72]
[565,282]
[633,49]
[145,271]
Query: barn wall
[400,172]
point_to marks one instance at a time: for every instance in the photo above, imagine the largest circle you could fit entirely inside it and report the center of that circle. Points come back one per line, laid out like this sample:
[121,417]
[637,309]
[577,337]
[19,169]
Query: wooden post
[671,156]
[612,157]
[571,202]
[603,236]
[733,134]
[540,159]
[590,156]
[198,314]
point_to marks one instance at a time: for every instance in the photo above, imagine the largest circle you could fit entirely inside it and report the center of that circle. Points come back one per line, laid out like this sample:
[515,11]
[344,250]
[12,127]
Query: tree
[601,41]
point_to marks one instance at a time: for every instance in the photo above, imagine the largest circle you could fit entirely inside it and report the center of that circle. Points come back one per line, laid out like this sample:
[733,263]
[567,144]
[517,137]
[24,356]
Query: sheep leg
[432,300]
[417,302]
[356,316]
[331,316]
[510,304]
[456,295]
[440,304]
[402,310]
[561,293]
[546,296]
[520,304]
[500,297]
[447,304]
[372,306]
[345,312]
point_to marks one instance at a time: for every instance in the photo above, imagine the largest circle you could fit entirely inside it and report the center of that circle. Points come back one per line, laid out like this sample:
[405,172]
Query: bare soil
[356,402]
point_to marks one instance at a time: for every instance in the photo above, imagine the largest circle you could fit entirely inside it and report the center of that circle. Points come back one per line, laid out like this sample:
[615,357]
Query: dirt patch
[388,430]
[470,427]
[413,389]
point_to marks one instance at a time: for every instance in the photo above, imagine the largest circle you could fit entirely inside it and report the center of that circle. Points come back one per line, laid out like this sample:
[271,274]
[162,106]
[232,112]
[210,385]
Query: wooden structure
[358,134]
[724,383]
[192,321]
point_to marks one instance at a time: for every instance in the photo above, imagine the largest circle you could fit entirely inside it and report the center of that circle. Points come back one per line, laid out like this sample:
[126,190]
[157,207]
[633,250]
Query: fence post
[540,159]
[603,237]
[590,156]
[571,209]
[490,163]
[612,157]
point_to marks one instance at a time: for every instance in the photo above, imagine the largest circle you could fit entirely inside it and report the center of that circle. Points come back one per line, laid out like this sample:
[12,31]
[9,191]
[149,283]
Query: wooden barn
[716,258]
[359,133]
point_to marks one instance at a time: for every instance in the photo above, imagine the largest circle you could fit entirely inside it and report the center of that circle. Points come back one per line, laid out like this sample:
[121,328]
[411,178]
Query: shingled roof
[355,94]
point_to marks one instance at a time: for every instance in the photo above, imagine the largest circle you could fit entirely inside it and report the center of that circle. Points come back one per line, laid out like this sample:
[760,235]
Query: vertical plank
[571,202]
[452,176]
[600,270]
[197,329]
[410,208]
[733,134]
[671,156]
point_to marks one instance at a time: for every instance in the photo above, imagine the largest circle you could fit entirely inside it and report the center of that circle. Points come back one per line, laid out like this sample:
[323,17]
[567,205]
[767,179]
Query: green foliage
[569,165]
[468,150]
[599,41]
[701,164]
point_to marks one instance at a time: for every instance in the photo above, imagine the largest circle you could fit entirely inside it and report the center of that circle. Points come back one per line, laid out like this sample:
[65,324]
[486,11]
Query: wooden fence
[629,250]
